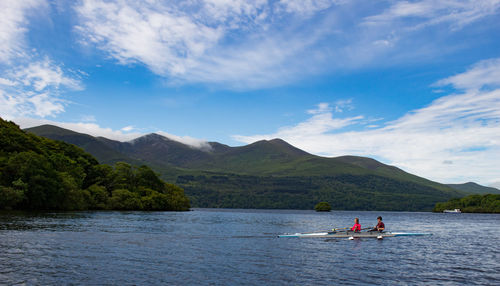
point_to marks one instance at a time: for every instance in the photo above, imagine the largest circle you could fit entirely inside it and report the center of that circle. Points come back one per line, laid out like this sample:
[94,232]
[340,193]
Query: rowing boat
[352,234]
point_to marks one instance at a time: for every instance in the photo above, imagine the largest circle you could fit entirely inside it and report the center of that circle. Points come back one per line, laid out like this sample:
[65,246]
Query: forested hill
[473,188]
[489,203]
[37,173]
[267,174]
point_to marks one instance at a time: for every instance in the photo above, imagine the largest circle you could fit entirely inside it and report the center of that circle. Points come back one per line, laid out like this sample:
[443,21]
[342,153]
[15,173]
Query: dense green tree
[125,200]
[41,174]
[146,177]
[10,197]
[489,203]
[322,207]
[98,197]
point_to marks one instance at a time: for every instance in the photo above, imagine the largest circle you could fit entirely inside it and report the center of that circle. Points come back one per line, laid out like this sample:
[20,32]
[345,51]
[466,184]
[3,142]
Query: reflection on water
[18,220]
[232,247]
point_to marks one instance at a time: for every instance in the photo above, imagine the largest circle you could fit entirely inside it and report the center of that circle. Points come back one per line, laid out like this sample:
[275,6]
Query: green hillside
[473,188]
[270,174]
[37,173]
[95,146]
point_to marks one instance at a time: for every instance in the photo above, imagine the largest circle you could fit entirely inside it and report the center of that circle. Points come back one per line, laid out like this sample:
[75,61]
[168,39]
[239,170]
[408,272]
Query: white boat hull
[455,211]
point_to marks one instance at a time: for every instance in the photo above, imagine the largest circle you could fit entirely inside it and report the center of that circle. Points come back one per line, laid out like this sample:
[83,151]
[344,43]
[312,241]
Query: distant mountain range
[267,174]
[473,188]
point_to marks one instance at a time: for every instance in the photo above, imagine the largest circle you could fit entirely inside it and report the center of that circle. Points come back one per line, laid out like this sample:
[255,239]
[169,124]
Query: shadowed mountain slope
[261,173]
[473,188]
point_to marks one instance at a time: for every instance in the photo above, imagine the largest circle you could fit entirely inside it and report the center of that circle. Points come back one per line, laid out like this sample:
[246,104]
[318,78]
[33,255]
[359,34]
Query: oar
[335,229]
[332,229]
[339,229]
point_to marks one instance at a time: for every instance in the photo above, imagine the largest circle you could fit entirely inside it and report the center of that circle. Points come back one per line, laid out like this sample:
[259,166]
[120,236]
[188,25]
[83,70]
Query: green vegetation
[473,188]
[344,192]
[322,207]
[267,174]
[43,174]
[472,204]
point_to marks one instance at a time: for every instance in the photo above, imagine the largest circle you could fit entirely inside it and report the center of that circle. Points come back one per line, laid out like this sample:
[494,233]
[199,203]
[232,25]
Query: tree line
[472,204]
[342,192]
[42,174]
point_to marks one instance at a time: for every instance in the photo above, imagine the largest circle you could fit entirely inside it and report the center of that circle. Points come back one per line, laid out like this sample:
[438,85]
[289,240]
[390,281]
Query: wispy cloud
[484,74]
[13,27]
[30,85]
[187,140]
[233,43]
[306,7]
[322,122]
[344,104]
[128,128]
[456,138]
[40,75]
[456,13]
[34,89]
[254,44]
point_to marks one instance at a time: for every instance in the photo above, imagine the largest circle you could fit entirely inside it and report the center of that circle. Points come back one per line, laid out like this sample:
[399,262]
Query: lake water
[240,247]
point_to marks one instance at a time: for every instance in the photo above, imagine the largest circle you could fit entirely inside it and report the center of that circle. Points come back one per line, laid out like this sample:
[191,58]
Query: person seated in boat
[356,227]
[380,225]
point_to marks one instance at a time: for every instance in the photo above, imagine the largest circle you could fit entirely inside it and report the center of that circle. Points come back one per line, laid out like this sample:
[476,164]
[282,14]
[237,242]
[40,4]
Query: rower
[380,225]
[356,227]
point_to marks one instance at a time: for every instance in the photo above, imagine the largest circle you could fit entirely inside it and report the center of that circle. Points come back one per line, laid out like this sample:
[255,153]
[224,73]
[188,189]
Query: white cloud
[7,82]
[321,123]
[463,129]
[415,31]
[306,7]
[486,73]
[128,128]
[456,13]
[344,104]
[321,108]
[166,41]
[252,44]
[13,26]
[29,86]
[33,90]
[187,140]
[45,105]
[222,42]
[42,74]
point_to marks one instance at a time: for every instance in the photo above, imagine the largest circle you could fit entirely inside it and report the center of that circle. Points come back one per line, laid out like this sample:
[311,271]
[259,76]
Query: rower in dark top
[380,225]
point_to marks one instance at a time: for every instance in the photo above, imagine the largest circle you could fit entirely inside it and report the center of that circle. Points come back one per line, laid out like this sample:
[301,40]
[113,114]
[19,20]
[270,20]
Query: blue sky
[414,84]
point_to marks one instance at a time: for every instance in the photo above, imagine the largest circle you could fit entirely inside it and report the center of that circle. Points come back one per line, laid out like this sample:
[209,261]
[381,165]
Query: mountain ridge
[475,188]
[267,168]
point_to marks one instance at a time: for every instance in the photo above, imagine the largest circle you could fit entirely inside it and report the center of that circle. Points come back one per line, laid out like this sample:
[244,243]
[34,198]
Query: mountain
[100,148]
[266,174]
[473,188]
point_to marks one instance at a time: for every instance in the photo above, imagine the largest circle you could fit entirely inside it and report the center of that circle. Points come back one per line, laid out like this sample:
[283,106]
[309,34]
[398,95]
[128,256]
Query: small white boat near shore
[455,211]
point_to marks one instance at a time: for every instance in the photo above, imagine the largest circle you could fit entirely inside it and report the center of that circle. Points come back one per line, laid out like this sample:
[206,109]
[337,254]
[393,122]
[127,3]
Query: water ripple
[240,247]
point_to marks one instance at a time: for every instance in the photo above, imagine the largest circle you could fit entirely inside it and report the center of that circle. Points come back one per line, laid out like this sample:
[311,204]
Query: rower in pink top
[356,227]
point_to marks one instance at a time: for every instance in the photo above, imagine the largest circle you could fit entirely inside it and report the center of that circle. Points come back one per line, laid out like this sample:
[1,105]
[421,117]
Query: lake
[240,247]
